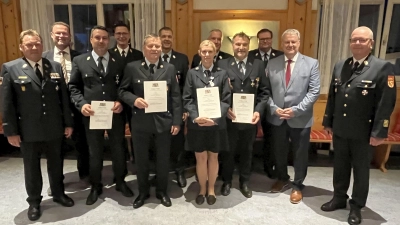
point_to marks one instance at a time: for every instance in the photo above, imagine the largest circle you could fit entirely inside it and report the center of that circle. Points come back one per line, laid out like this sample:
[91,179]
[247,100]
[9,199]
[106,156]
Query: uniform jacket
[221,55]
[361,107]
[132,88]
[255,53]
[253,82]
[131,55]
[37,111]
[181,63]
[301,93]
[196,79]
[87,85]
[50,54]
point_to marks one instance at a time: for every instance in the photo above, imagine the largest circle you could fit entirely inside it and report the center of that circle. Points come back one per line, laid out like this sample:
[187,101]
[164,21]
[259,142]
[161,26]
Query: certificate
[155,94]
[208,102]
[102,118]
[242,106]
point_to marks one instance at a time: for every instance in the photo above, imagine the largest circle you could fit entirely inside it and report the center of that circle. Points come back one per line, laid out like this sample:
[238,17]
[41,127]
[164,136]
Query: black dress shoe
[34,213]
[226,189]
[181,179]
[211,199]
[165,200]
[124,189]
[64,200]
[246,191]
[354,216]
[200,199]
[333,205]
[93,196]
[139,201]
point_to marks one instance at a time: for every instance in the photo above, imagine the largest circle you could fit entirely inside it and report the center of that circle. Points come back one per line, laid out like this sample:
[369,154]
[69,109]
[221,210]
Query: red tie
[288,72]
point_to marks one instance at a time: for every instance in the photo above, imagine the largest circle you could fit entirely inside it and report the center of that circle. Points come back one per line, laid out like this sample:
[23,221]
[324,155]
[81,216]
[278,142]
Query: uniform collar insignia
[25,65]
[250,63]
[173,56]
[130,50]
[218,68]
[88,58]
[232,63]
[143,63]
[161,66]
[197,68]
[115,49]
[220,57]
[46,65]
[113,59]
[366,62]
[351,62]
[257,54]
[273,54]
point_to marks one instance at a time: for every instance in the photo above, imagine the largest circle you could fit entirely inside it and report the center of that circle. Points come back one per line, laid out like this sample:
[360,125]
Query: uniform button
[242,83]
[345,105]
[348,85]
[344,114]
[370,121]
[241,90]
[104,93]
[44,104]
[44,113]
[346,95]
[101,78]
[42,96]
[102,85]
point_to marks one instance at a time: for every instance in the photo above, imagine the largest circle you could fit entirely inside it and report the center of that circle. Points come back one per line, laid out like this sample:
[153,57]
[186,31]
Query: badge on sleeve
[391,81]
[386,123]
[1,80]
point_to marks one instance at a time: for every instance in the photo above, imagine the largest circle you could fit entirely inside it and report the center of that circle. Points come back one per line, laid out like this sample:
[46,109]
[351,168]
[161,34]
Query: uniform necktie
[241,67]
[63,65]
[165,57]
[123,54]
[266,57]
[288,72]
[208,73]
[38,73]
[100,65]
[355,66]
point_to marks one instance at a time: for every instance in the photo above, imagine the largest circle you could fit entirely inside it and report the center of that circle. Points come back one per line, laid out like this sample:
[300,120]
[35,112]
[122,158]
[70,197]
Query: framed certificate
[103,115]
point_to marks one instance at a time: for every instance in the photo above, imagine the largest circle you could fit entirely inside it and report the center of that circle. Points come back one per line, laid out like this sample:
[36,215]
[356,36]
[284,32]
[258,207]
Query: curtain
[339,18]
[149,18]
[38,15]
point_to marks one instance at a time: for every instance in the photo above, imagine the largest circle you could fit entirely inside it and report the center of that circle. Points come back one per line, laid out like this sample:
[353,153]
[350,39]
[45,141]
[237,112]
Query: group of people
[47,98]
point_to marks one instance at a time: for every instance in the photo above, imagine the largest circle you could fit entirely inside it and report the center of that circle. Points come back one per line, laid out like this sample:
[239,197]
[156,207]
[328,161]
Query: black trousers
[96,149]
[81,146]
[300,139]
[179,155]
[268,153]
[351,153]
[31,152]
[141,145]
[240,142]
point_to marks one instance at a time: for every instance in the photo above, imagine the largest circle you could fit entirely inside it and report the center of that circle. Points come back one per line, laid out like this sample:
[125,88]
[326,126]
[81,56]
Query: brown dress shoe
[279,186]
[296,196]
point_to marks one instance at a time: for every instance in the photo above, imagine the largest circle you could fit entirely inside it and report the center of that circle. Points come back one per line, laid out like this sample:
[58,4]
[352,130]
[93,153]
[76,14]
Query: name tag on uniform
[22,77]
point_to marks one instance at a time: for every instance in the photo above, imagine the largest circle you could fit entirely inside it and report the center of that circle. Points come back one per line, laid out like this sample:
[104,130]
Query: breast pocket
[23,85]
[88,80]
[366,89]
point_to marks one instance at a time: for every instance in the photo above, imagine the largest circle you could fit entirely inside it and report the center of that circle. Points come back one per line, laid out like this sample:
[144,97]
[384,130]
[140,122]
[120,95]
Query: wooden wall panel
[10,17]
[167,18]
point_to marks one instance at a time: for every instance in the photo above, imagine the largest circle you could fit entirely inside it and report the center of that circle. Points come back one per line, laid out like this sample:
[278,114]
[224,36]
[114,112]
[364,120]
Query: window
[371,15]
[82,15]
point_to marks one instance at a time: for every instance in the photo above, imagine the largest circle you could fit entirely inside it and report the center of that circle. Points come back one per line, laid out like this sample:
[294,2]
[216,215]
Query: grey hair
[370,32]
[148,37]
[291,31]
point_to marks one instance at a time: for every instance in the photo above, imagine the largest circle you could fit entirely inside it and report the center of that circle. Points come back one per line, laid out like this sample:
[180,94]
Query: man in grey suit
[295,86]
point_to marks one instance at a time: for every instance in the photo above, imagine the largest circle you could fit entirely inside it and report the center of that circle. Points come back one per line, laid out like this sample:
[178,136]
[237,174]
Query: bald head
[364,30]
[361,42]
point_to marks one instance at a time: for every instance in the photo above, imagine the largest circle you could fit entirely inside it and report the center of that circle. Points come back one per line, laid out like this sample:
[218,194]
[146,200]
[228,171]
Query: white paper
[243,107]
[208,102]
[155,94]
[103,115]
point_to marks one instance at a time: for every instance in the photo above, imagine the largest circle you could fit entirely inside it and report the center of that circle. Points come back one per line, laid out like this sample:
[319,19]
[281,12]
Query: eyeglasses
[265,39]
[31,45]
[360,40]
[121,34]
[61,34]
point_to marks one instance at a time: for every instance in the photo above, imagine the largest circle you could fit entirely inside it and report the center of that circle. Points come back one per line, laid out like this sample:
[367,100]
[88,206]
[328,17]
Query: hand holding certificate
[155,94]
[103,115]
[208,102]
[243,105]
